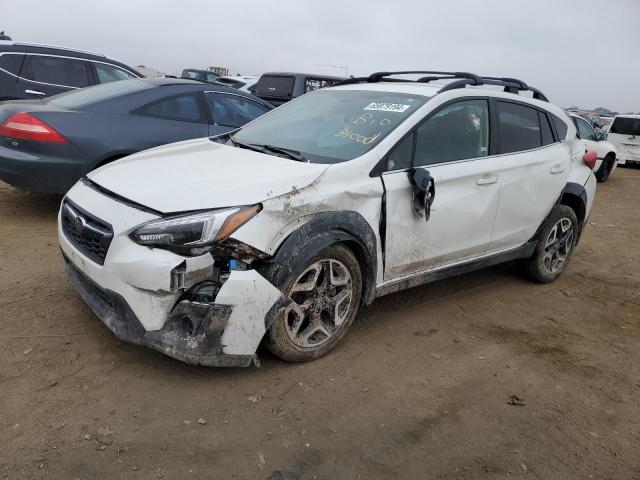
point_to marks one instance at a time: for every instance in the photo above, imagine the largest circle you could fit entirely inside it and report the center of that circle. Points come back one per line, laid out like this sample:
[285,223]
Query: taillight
[25,126]
[590,158]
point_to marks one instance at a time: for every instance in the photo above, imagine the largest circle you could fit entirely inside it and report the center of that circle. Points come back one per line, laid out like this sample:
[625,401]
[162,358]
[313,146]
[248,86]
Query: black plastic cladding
[322,231]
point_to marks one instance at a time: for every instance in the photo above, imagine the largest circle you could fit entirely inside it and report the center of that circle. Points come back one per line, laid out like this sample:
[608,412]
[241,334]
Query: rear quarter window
[561,127]
[11,63]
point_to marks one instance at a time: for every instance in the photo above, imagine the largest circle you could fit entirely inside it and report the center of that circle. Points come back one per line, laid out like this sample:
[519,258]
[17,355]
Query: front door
[453,146]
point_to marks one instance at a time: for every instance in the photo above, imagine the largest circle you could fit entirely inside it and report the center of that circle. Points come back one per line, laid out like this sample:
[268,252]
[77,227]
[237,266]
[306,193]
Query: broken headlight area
[194,233]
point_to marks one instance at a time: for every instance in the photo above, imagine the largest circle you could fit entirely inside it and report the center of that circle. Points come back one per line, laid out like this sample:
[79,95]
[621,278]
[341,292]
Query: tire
[318,306]
[541,267]
[602,174]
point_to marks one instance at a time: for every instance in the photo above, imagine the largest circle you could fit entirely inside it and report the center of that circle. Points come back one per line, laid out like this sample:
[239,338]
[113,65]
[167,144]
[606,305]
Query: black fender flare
[319,232]
[574,196]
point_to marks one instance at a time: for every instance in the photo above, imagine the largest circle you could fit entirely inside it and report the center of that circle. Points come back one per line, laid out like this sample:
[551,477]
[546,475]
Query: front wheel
[325,295]
[556,239]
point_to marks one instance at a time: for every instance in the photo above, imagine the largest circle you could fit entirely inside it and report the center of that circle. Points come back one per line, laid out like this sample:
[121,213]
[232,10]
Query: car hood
[201,174]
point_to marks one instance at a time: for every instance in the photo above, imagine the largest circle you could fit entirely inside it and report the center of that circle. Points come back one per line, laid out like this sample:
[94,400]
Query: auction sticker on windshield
[387,107]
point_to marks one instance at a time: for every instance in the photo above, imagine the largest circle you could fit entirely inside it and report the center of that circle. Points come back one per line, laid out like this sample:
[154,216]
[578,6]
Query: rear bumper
[44,173]
[192,333]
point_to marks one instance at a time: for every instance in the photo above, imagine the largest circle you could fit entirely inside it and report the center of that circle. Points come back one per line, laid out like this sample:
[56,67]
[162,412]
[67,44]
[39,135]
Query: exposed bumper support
[192,333]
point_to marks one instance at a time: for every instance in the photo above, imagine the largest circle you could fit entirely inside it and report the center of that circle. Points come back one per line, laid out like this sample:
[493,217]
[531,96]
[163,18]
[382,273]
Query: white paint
[628,146]
[251,296]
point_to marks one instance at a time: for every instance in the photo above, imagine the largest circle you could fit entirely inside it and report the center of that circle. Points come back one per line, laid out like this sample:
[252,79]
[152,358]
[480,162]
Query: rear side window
[274,85]
[11,63]
[561,127]
[311,84]
[109,73]
[457,132]
[545,129]
[66,72]
[626,126]
[183,108]
[519,128]
[233,110]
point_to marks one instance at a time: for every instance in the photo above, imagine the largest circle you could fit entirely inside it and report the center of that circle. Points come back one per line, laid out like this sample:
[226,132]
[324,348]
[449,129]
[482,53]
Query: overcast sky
[579,52]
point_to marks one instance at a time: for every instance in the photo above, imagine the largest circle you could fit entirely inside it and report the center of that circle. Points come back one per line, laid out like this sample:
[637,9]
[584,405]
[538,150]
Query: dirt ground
[419,389]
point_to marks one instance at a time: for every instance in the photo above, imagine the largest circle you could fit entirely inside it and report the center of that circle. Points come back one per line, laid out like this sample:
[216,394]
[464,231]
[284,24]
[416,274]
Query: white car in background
[624,133]
[241,82]
[280,231]
[607,154]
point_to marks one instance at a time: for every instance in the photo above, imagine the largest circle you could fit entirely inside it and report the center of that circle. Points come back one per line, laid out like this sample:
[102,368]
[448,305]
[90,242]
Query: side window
[561,128]
[545,129]
[11,63]
[233,110]
[400,157]
[585,130]
[184,108]
[108,73]
[66,72]
[519,128]
[457,132]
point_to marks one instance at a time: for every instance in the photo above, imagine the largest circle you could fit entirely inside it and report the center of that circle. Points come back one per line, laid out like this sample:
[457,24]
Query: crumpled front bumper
[192,333]
[141,294]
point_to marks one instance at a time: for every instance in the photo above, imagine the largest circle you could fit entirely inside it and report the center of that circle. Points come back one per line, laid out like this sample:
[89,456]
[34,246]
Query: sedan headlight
[194,232]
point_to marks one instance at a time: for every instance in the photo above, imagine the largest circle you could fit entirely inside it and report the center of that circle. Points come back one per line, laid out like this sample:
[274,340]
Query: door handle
[34,92]
[487,180]
[556,169]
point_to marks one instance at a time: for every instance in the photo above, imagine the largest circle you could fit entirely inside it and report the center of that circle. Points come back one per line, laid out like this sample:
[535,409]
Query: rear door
[229,112]
[533,167]
[453,146]
[45,75]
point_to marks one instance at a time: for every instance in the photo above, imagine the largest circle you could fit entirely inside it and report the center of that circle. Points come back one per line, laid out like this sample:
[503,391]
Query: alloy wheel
[558,245]
[321,300]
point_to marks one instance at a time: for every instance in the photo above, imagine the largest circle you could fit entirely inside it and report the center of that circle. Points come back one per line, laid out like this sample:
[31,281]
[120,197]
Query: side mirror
[424,191]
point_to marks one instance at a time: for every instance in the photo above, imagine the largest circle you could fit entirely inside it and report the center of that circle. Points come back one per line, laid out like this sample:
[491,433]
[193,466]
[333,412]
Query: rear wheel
[325,295]
[556,240]
[602,174]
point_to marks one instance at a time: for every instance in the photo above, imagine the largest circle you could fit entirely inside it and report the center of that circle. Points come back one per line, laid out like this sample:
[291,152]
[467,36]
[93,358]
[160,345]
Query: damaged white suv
[278,232]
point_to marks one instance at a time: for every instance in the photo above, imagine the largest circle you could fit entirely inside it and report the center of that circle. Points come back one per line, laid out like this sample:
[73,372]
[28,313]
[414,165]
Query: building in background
[220,71]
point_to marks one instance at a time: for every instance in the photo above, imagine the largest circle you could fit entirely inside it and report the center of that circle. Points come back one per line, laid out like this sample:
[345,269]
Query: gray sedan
[47,145]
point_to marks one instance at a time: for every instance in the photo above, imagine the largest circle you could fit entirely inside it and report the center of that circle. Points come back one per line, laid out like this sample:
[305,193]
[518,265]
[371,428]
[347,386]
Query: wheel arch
[574,196]
[321,231]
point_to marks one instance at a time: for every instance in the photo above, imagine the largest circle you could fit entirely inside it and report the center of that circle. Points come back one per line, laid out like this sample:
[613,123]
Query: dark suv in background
[278,88]
[36,71]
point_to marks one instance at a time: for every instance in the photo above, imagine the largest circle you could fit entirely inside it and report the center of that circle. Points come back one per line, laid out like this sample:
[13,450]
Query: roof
[412,88]
[51,47]
[300,74]
[162,81]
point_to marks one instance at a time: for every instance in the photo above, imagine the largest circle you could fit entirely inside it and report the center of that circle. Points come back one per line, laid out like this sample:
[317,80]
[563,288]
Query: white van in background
[624,134]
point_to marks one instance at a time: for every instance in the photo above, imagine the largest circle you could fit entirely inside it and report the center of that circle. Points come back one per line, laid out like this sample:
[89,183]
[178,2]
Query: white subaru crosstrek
[278,232]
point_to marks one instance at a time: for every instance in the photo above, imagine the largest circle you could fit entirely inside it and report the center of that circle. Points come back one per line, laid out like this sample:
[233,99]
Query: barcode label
[387,107]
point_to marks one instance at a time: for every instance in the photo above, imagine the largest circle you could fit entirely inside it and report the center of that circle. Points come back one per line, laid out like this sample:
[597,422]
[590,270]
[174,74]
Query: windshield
[331,126]
[626,126]
[98,93]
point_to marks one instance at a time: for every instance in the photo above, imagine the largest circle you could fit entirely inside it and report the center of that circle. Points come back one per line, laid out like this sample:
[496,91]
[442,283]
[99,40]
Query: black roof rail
[460,80]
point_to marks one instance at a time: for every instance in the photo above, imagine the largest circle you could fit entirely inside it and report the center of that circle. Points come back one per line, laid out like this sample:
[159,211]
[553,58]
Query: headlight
[193,232]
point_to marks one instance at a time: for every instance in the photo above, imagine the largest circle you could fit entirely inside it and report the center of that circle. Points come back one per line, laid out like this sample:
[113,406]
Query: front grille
[87,233]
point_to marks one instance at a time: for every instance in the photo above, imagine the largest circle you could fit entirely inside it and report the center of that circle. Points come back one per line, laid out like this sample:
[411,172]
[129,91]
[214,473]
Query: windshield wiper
[293,154]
